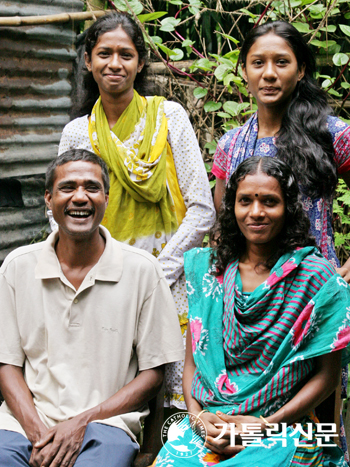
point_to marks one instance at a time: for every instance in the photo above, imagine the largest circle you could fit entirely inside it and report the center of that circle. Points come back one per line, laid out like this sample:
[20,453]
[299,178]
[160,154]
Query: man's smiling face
[78,200]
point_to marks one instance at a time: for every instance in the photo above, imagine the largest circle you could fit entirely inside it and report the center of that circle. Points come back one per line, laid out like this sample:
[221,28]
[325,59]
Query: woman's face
[114,63]
[259,208]
[272,71]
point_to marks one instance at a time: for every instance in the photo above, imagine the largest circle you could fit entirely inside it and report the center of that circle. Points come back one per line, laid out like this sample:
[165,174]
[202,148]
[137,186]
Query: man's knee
[15,449]
[108,446]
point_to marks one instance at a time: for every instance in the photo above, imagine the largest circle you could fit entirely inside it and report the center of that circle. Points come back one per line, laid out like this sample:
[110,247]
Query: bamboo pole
[92,5]
[48,19]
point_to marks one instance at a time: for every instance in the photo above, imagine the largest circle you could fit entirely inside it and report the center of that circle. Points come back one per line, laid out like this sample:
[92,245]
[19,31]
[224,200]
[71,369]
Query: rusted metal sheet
[35,100]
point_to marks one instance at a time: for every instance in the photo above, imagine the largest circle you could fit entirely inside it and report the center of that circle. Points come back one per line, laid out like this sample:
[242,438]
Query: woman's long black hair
[229,242]
[303,140]
[107,23]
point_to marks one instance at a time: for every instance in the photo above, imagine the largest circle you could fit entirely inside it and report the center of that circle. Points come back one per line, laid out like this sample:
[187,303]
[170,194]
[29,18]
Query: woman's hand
[344,272]
[222,445]
[239,420]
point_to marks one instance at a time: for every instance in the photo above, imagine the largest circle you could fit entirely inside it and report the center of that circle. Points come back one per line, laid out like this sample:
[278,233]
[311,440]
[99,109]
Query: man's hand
[38,455]
[60,445]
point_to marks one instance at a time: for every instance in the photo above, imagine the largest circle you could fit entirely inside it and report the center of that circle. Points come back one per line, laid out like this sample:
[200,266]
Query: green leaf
[321,76]
[347,15]
[212,183]
[302,27]
[169,24]
[334,92]
[317,9]
[345,85]
[200,92]
[345,29]
[339,239]
[295,3]
[231,108]
[151,16]
[216,56]
[340,59]
[175,2]
[234,109]
[334,11]
[176,55]
[249,112]
[223,60]
[187,43]
[232,78]
[333,49]
[135,5]
[345,197]
[207,167]
[324,44]
[223,115]
[195,6]
[330,28]
[211,146]
[193,10]
[166,50]
[230,38]
[212,106]
[227,126]
[203,64]
[327,82]
[220,72]
[228,78]
[233,55]
[243,90]
[205,241]
[227,62]
[247,12]
[156,39]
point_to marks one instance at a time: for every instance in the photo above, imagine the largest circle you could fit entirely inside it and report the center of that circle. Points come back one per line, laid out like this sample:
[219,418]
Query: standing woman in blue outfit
[293,123]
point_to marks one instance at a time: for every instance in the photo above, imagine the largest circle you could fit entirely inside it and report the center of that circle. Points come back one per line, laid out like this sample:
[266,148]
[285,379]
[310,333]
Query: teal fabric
[320,327]
[300,312]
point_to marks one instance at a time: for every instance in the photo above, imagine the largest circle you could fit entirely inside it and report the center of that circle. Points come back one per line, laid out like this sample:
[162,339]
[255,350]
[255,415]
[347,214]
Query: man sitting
[87,324]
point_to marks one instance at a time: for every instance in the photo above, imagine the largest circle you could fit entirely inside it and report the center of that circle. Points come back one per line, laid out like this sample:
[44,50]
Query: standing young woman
[293,123]
[160,198]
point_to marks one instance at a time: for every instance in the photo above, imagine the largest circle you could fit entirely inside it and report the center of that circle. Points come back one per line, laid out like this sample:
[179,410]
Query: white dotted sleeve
[195,190]
[75,135]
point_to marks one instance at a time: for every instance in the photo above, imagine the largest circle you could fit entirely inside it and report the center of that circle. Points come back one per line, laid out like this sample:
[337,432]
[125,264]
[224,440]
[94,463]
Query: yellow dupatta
[145,198]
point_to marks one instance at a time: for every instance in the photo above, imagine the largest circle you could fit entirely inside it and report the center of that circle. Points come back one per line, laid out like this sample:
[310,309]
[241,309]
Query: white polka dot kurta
[200,216]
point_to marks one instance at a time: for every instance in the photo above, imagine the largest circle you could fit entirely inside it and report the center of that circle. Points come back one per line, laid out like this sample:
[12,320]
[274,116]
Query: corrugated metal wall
[35,86]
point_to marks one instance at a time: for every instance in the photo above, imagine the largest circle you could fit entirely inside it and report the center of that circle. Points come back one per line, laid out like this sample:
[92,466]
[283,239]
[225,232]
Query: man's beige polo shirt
[78,348]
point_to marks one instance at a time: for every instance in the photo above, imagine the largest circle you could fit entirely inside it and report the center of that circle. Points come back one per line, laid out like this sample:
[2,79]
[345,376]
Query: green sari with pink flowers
[254,352]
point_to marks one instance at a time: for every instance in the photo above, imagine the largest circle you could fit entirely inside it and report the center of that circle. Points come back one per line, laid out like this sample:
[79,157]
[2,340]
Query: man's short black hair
[76,155]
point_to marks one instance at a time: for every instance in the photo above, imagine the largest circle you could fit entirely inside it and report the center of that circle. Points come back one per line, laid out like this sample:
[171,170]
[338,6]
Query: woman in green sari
[270,328]
[160,199]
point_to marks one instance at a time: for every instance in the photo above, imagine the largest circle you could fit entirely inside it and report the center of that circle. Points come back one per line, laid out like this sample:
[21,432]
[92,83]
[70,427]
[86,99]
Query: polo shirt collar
[108,268]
